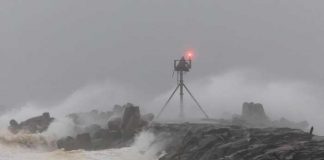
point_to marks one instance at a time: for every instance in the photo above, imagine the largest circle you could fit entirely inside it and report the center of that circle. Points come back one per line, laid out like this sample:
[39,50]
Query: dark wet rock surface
[254,113]
[33,125]
[123,124]
[254,116]
[250,136]
[216,142]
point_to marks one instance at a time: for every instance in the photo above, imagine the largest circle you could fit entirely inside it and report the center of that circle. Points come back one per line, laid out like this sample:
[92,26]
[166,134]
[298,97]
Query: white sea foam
[15,148]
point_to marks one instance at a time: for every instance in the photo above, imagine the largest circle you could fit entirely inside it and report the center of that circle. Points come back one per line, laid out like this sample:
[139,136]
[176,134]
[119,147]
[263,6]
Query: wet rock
[107,139]
[33,125]
[120,131]
[83,141]
[217,142]
[115,124]
[254,113]
[14,126]
[92,129]
[101,134]
[131,120]
[67,143]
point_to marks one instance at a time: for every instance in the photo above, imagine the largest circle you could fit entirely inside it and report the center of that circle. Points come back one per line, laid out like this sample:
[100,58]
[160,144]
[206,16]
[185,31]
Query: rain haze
[265,51]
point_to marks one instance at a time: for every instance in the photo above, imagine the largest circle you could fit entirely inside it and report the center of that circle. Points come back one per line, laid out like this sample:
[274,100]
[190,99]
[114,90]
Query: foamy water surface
[32,147]
[113,154]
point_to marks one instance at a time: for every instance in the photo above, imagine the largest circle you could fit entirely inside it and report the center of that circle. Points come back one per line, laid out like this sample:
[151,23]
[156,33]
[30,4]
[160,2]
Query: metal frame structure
[181,66]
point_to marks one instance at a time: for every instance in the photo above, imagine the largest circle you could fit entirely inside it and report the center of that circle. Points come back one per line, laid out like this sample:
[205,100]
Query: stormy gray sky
[49,49]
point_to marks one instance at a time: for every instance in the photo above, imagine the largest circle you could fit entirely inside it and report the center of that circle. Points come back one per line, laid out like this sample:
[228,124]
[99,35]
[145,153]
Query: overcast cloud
[50,49]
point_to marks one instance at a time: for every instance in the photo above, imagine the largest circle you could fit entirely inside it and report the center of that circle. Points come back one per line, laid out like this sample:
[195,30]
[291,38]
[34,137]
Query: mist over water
[99,96]
[220,95]
[223,95]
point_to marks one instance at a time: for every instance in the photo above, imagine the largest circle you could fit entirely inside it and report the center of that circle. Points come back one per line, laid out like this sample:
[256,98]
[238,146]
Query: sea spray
[146,146]
[222,96]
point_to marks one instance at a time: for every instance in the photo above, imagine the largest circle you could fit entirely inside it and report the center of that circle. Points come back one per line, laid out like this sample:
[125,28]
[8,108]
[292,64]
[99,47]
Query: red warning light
[189,55]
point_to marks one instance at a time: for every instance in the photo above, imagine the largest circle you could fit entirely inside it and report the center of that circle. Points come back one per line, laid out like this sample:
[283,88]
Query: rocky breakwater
[249,136]
[119,131]
[219,142]
[254,115]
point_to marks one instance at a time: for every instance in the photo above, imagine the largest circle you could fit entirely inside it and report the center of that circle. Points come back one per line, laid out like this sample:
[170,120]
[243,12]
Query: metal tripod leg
[167,102]
[201,109]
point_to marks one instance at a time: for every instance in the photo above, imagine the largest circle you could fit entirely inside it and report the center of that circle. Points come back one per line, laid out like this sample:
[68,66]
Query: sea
[40,147]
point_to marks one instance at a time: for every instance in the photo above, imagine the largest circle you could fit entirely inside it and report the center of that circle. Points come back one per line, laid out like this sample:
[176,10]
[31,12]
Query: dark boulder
[115,124]
[92,129]
[14,126]
[101,134]
[67,143]
[254,114]
[131,120]
[104,139]
[122,127]
[33,125]
[83,141]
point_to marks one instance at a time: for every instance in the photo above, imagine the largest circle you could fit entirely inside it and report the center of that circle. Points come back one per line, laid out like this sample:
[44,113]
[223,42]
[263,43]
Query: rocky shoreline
[250,136]
[209,141]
